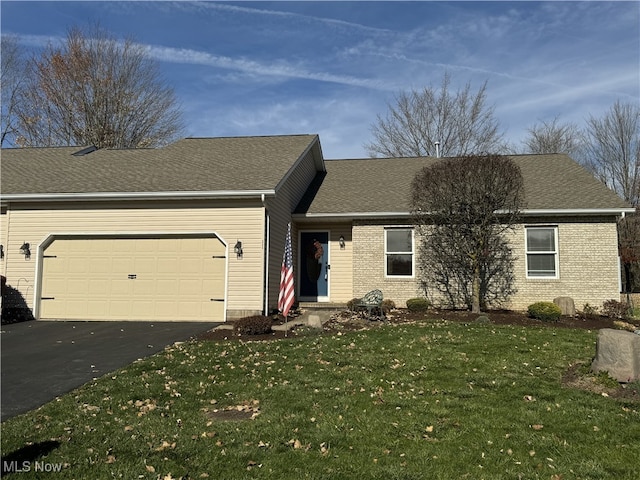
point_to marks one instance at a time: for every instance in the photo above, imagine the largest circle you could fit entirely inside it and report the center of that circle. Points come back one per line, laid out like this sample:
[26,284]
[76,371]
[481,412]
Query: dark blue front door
[314,266]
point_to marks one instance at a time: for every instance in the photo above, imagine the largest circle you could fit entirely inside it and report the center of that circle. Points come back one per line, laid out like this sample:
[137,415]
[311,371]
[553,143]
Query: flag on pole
[286,295]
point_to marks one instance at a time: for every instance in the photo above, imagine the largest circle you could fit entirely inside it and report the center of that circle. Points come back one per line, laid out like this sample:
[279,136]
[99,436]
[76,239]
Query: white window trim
[412,253]
[556,253]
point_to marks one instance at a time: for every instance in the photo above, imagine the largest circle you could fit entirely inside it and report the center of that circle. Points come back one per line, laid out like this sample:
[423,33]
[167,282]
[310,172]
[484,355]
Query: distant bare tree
[613,149]
[554,137]
[462,207]
[460,121]
[11,80]
[95,90]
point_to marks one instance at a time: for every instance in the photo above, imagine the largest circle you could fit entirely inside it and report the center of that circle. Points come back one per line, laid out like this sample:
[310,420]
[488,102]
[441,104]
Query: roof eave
[577,211]
[124,196]
[561,212]
[309,217]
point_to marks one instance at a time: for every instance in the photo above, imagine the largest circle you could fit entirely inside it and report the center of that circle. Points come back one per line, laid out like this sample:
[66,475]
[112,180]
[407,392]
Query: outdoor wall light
[341,242]
[1,252]
[238,249]
[26,250]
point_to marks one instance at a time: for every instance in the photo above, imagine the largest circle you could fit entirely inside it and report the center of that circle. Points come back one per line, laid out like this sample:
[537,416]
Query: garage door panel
[100,265]
[125,278]
[167,265]
[98,287]
[77,287]
[119,309]
[121,264]
[96,308]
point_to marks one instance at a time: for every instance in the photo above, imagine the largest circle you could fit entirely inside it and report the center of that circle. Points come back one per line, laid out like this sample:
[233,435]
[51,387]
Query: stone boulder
[566,304]
[618,353]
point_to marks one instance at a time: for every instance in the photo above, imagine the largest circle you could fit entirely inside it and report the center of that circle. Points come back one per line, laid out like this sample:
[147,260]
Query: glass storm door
[314,266]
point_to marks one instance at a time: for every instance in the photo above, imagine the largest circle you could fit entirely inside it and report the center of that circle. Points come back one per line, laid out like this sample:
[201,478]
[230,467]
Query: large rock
[566,304]
[618,353]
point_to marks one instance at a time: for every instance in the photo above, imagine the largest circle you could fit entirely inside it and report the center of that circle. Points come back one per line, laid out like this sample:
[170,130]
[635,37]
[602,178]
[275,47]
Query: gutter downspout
[622,215]
[267,235]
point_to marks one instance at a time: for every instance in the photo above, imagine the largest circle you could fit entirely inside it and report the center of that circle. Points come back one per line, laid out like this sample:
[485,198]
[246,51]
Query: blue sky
[264,68]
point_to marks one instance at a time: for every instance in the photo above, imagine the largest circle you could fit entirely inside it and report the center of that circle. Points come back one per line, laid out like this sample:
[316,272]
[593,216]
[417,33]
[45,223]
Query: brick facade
[369,264]
[588,263]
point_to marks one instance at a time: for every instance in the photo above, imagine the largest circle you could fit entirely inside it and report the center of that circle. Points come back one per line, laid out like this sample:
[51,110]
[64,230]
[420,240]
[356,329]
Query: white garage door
[169,278]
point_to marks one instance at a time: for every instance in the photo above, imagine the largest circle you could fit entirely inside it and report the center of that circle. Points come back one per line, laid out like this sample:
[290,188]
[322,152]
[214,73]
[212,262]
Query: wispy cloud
[280,68]
[296,17]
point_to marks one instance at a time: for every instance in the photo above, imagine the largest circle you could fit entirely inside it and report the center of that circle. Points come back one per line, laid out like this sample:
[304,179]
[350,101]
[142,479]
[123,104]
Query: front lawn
[432,399]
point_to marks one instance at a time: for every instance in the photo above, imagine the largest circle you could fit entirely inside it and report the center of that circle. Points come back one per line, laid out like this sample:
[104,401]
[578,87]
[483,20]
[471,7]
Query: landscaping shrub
[351,304]
[255,325]
[545,311]
[589,310]
[418,304]
[615,309]
[388,305]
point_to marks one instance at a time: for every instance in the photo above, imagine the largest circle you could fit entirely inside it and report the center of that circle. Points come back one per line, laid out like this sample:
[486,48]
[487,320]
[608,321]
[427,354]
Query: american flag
[286,295]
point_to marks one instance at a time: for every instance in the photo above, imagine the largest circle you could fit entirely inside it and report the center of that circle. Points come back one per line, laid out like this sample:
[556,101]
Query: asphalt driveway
[42,360]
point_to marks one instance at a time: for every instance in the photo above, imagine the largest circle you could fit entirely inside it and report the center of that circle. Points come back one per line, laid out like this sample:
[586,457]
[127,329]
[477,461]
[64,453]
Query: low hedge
[254,325]
[545,311]
[418,304]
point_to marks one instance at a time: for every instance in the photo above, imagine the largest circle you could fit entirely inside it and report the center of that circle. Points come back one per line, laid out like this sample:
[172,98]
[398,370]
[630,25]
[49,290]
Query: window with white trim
[542,252]
[398,251]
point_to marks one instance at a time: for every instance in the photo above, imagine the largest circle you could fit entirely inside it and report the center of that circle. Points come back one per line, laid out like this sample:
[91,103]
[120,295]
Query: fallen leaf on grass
[165,445]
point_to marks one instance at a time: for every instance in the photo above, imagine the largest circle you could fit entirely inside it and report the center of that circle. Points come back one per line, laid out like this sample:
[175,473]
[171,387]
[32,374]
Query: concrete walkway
[42,360]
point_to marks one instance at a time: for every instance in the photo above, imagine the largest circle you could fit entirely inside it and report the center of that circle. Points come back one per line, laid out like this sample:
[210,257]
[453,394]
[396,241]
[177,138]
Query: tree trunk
[475,289]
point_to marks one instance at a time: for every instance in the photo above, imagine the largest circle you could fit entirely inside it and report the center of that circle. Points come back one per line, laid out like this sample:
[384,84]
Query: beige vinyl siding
[341,260]
[280,208]
[229,221]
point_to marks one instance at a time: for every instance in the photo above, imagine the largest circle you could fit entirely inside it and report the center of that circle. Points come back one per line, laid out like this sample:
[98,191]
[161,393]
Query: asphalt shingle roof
[384,186]
[236,164]
[188,165]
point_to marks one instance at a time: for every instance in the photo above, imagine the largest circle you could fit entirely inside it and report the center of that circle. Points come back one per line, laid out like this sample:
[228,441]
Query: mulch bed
[347,321]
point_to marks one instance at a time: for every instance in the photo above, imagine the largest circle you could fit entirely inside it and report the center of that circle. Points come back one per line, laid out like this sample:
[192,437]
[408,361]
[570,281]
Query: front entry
[314,266]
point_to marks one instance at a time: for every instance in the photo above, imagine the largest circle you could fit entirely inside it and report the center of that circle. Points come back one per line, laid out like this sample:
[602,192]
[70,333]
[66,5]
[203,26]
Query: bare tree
[95,90]
[554,137]
[11,79]
[613,149]
[462,208]
[461,122]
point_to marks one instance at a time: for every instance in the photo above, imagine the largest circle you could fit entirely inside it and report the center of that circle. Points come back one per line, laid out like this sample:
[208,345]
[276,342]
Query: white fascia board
[579,211]
[348,216]
[527,212]
[69,197]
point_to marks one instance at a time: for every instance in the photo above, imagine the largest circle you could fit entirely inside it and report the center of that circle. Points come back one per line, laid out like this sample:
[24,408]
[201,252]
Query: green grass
[427,400]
